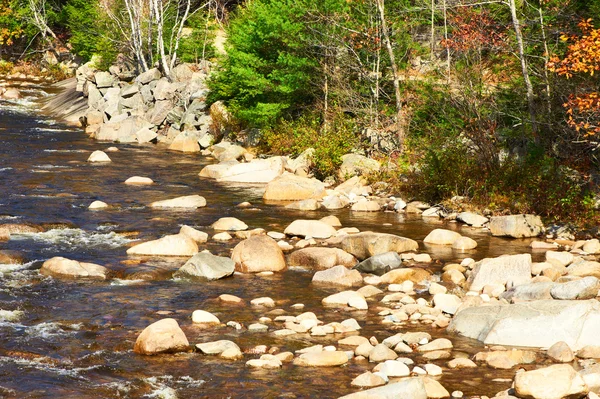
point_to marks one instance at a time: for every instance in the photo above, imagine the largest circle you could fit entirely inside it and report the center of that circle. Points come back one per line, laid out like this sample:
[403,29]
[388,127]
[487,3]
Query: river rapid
[74,339]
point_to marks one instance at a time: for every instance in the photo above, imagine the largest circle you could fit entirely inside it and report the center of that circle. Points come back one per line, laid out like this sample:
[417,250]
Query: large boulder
[310,228]
[512,270]
[411,388]
[366,244]
[145,135]
[163,336]
[165,90]
[288,187]
[170,245]
[380,264]
[185,142]
[226,151]
[585,288]
[355,164]
[62,267]
[532,324]
[516,226]
[258,254]
[318,258]
[148,76]
[208,266]
[182,73]
[255,171]
[188,201]
[554,382]
[158,113]
[103,79]
[124,131]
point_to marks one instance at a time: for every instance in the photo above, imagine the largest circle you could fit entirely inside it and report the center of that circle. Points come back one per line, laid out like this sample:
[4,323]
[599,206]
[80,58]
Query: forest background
[494,104]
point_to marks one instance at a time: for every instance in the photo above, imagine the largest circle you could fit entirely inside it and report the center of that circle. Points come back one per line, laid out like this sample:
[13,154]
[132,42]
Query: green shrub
[293,137]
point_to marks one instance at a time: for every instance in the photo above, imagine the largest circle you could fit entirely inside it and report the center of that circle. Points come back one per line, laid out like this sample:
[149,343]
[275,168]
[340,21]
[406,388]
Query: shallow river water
[74,339]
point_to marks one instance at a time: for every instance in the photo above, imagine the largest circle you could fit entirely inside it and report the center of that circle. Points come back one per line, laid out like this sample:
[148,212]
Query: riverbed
[74,339]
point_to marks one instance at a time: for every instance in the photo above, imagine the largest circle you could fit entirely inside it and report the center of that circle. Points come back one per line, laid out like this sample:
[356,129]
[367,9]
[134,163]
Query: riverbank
[411,282]
[171,112]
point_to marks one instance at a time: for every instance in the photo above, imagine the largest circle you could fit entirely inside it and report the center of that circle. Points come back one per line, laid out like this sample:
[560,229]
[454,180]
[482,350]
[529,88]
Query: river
[74,339]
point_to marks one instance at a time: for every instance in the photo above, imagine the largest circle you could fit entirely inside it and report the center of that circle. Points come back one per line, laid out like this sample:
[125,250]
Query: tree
[10,28]
[152,29]
[582,59]
[266,73]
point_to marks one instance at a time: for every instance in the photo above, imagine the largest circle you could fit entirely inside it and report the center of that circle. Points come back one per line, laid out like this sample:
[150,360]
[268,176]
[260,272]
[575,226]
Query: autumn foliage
[582,58]
[475,30]
[9,29]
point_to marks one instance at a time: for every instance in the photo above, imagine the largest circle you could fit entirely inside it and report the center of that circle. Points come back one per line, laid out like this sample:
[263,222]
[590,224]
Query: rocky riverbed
[135,272]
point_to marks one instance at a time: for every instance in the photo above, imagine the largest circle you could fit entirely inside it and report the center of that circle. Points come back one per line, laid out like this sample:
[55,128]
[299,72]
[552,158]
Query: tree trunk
[179,33]
[446,38]
[546,58]
[432,28]
[388,44]
[158,9]
[528,86]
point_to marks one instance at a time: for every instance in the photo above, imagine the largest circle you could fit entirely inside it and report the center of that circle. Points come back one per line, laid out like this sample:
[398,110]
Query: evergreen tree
[267,73]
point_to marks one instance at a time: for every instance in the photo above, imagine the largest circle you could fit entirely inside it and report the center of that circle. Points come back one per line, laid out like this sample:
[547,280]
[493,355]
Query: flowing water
[74,339]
